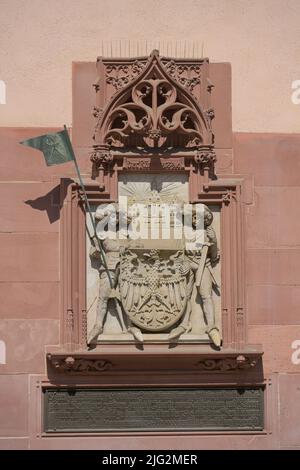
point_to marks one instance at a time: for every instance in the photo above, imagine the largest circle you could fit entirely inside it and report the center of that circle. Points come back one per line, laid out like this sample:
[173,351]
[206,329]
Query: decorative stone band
[156,163]
[80,364]
[227,364]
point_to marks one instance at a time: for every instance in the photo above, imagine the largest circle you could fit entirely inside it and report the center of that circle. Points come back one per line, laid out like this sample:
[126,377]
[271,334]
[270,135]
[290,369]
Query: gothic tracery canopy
[154,110]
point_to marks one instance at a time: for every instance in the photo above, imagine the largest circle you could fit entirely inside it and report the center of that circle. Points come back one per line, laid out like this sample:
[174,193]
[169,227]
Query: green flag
[56,147]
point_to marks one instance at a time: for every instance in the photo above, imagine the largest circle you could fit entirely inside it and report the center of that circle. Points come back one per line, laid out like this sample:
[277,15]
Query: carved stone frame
[226,194]
[197,162]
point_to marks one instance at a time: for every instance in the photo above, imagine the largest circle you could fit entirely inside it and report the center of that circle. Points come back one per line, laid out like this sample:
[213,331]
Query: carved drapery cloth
[154,110]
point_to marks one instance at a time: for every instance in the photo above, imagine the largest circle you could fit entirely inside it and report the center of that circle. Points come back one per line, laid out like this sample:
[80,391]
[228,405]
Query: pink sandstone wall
[39,41]
[260,38]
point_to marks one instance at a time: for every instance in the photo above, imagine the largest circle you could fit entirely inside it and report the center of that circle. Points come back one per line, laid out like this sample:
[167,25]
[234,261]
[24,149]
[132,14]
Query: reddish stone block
[289,394]
[13,405]
[273,305]
[276,343]
[15,443]
[29,257]
[29,300]
[84,99]
[21,163]
[158,442]
[24,163]
[272,222]
[273,266]
[84,75]
[32,207]
[83,155]
[220,76]
[25,342]
[224,163]
[273,159]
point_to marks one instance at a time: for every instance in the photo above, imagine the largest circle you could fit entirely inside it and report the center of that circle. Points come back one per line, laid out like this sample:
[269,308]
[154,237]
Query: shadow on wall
[51,202]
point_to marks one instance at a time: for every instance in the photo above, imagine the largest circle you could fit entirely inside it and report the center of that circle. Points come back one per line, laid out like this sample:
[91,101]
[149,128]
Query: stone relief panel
[154,290]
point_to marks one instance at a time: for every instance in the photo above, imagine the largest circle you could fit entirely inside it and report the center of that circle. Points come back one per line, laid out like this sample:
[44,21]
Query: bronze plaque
[164,409]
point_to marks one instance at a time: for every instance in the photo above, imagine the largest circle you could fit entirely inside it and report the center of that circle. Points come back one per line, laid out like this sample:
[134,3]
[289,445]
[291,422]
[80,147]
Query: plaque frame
[38,383]
[137,429]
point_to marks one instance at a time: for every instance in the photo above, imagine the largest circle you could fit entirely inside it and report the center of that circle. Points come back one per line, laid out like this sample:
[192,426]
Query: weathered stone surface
[20,163]
[270,222]
[224,163]
[278,266]
[276,342]
[14,443]
[29,207]
[220,75]
[289,393]
[84,75]
[13,405]
[25,344]
[273,159]
[29,257]
[167,442]
[273,305]
[29,300]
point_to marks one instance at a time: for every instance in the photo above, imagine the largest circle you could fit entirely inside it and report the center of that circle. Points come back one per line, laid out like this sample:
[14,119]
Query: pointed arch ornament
[154,111]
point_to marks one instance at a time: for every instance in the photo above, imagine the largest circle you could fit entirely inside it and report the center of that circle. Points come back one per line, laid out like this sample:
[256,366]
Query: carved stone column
[101,158]
[205,159]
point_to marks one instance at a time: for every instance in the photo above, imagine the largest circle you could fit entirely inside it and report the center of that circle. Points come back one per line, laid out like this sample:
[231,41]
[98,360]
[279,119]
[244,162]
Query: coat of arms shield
[155,286]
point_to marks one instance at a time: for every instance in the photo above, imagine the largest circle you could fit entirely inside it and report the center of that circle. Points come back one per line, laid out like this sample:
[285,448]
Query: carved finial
[155,52]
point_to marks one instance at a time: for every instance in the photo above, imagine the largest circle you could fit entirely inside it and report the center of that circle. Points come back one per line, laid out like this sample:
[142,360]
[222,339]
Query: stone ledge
[125,360]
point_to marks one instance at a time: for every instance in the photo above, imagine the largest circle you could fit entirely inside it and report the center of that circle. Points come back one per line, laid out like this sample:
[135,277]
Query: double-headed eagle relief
[155,290]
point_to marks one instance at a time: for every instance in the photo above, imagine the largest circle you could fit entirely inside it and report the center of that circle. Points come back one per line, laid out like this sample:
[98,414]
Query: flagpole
[88,206]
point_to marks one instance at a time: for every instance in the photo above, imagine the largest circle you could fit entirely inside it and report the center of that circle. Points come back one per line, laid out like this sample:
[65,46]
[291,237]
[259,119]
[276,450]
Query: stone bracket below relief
[110,362]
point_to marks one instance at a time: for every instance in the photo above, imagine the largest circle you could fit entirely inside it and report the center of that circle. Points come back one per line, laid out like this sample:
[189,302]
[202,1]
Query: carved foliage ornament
[205,157]
[227,364]
[93,365]
[187,75]
[154,111]
[72,364]
[101,156]
[120,75]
